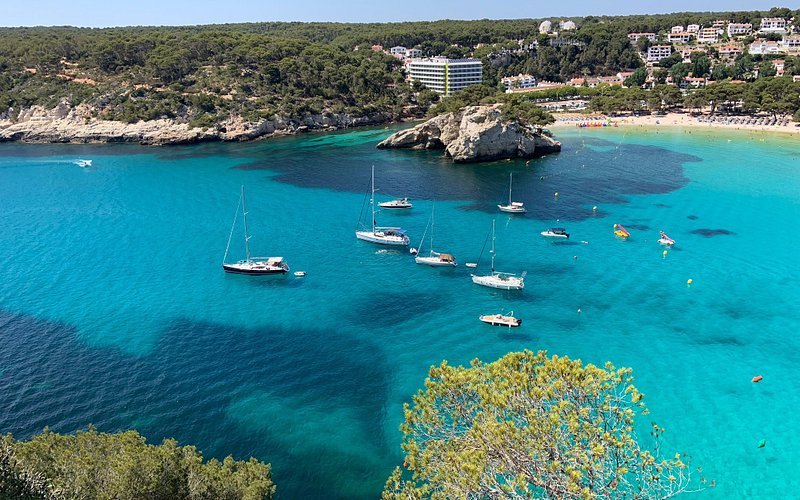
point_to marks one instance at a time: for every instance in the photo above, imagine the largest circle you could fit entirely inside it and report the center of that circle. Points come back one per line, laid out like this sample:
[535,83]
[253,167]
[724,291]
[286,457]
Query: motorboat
[665,240]
[501,320]
[556,232]
[396,204]
[379,234]
[84,163]
[299,274]
[500,280]
[621,232]
[255,266]
[436,259]
[513,207]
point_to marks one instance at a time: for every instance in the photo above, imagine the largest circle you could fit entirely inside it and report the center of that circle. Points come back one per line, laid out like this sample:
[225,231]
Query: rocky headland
[79,124]
[475,133]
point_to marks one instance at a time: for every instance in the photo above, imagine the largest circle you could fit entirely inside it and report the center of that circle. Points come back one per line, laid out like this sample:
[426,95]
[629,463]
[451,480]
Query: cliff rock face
[78,125]
[475,133]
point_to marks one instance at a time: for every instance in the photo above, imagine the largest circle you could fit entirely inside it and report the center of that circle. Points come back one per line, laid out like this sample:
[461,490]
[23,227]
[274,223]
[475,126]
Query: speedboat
[84,163]
[258,266]
[299,274]
[665,240]
[501,320]
[515,207]
[556,232]
[396,204]
[621,231]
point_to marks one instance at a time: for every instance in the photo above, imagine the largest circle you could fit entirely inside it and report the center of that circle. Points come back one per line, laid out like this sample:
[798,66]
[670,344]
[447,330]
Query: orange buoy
[757,378]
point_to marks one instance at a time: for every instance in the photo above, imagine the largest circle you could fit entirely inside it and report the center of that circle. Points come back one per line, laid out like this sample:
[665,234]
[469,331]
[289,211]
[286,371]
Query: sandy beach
[564,120]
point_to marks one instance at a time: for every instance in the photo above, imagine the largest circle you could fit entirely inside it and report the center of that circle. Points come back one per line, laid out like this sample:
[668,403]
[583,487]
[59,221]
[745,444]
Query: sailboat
[504,281]
[434,258]
[514,207]
[256,266]
[378,234]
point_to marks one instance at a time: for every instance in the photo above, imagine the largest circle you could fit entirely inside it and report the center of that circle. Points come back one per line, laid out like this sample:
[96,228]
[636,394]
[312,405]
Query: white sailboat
[378,234]
[434,258]
[513,207]
[503,281]
[256,266]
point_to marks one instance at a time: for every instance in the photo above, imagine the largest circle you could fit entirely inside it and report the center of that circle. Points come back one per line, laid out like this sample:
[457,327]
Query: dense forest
[203,74]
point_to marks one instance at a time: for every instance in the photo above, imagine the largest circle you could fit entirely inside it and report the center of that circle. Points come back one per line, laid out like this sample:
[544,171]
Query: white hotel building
[445,76]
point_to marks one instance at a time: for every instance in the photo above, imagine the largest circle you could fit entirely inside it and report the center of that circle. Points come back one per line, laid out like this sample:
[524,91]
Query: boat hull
[493,320]
[548,234]
[233,269]
[433,261]
[395,207]
[511,210]
[382,239]
[510,283]
[666,241]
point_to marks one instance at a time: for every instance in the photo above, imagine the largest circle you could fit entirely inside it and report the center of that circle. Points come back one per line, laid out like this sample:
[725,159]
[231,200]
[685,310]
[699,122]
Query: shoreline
[670,121]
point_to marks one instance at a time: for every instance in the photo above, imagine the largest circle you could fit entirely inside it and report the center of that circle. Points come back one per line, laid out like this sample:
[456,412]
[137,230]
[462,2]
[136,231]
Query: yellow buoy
[665,255]
[594,208]
[689,281]
[556,194]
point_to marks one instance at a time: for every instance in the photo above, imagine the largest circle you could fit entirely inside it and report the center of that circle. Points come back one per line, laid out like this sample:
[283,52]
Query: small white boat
[254,266]
[84,163]
[378,234]
[396,204]
[471,265]
[502,281]
[556,232]
[513,207]
[299,274]
[435,259]
[501,320]
[665,240]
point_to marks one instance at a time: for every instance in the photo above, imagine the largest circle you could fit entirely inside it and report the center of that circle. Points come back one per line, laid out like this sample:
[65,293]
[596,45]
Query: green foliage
[123,466]
[526,112]
[672,60]
[528,426]
[638,78]
[700,65]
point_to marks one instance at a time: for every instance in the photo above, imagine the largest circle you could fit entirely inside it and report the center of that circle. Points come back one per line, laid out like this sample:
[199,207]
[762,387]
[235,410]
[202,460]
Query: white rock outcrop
[475,133]
[80,125]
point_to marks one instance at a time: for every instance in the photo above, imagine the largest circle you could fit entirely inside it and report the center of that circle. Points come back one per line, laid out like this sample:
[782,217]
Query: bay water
[115,311]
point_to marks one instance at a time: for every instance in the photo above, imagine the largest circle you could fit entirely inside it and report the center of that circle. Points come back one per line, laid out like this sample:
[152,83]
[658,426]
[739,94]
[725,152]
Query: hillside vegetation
[203,74]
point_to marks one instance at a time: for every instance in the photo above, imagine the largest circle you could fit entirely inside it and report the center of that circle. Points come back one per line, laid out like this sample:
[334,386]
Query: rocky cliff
[79,125]
[475,133]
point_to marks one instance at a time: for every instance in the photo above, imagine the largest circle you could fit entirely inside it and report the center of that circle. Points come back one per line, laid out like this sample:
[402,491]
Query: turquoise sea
[114,309]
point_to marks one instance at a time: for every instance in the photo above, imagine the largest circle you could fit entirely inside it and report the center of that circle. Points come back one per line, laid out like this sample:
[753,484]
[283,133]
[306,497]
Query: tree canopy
[122,466]
[529,425]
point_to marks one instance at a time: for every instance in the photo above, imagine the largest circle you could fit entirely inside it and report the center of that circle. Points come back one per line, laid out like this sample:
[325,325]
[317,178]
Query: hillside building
[773,25]
[693,28]
[681,37]
[545,27]
[443,75]
[658,52]
[739,29]
[634,37]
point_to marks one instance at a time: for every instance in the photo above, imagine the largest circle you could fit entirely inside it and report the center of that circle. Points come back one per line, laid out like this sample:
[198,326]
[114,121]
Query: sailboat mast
[433,222]
[246,236]
[492,246]
[510,181]
[372,200]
